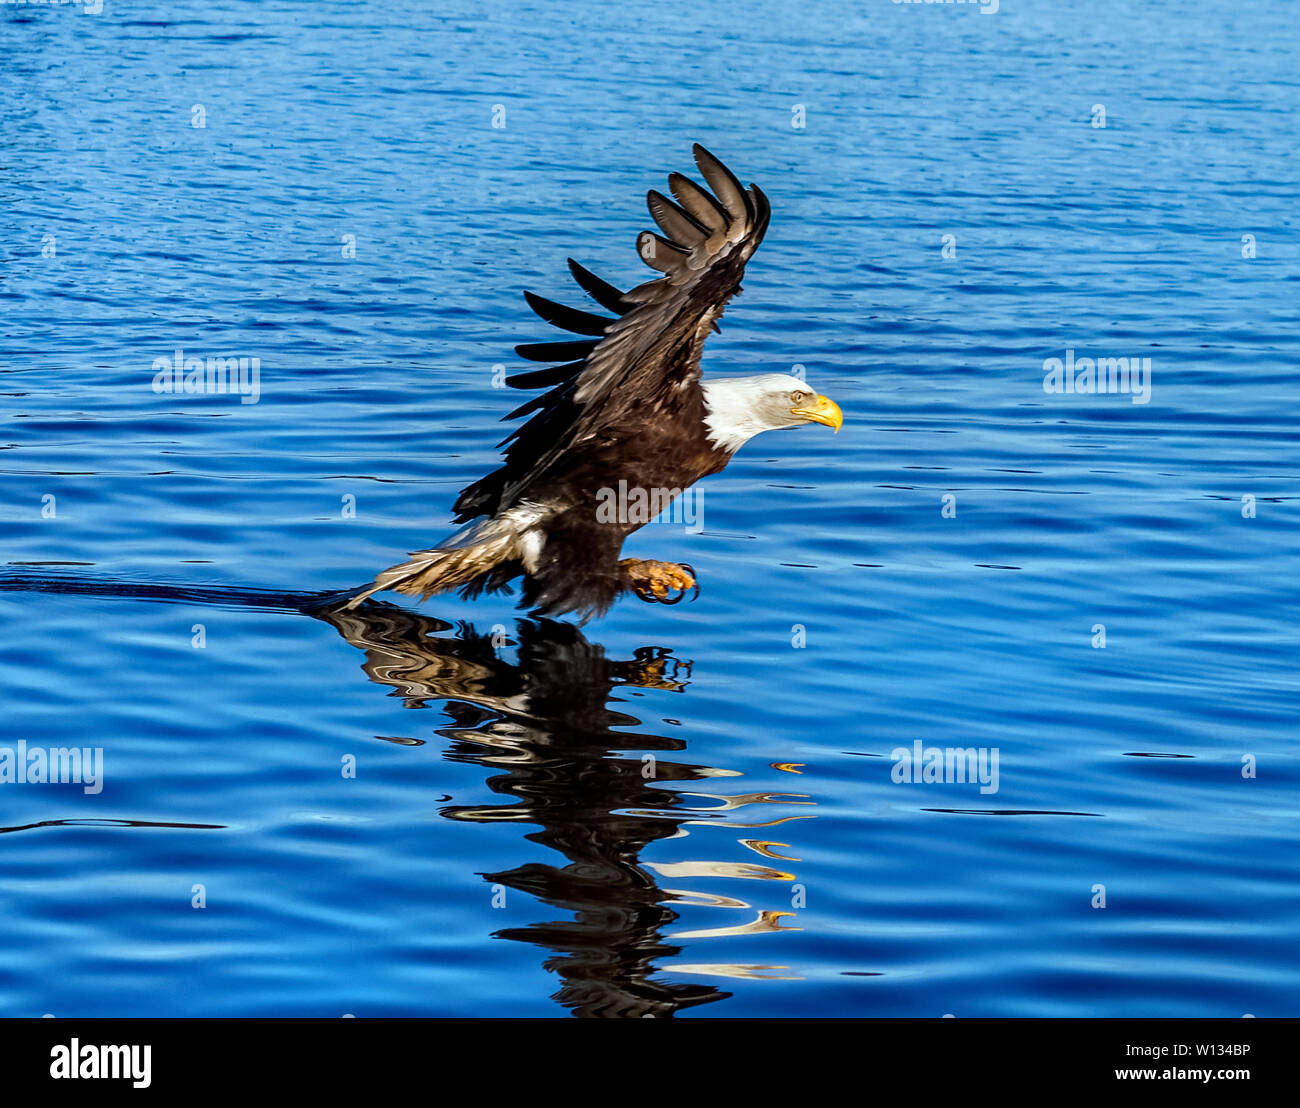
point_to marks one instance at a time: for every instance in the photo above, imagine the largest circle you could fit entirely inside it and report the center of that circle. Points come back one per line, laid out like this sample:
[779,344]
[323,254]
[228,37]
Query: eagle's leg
[659,582]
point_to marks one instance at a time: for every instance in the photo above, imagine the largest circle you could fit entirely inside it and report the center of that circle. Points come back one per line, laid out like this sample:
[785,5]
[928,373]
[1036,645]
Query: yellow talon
[658,581]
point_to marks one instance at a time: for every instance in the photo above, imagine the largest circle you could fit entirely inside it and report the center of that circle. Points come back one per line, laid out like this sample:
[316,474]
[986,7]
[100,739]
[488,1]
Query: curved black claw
[647,594]
[645,590]
[682,595]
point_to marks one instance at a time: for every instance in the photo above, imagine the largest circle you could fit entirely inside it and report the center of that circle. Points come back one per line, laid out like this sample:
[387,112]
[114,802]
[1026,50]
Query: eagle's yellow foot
[659,582]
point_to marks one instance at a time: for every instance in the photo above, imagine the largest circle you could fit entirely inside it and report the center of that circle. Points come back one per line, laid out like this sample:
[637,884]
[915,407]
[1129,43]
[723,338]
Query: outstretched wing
[644,359]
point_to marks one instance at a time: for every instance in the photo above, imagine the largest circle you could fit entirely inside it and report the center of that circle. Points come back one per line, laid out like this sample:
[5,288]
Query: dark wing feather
[699,203]
[602,292]
[538,401]
[676,222]
[555,351]
[566,318]
[543,378]
[647,361]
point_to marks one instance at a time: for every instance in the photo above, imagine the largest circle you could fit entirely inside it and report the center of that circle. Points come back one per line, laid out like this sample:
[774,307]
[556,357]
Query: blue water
[682,810]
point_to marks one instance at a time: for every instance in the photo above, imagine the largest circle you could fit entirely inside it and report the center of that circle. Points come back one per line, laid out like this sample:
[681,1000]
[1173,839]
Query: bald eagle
[625,403]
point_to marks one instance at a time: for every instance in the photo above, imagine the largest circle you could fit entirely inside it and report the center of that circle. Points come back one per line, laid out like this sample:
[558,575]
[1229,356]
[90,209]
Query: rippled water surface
[449,810]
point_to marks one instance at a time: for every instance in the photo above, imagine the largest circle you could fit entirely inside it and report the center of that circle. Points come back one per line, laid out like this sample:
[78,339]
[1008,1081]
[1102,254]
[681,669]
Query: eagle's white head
[738,408]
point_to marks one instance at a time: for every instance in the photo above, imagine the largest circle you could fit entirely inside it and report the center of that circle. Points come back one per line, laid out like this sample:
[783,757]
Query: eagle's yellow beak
[824,411]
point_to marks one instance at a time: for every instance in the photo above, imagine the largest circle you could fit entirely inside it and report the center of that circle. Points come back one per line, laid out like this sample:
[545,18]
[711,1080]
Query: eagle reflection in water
[566,764]
[545,721]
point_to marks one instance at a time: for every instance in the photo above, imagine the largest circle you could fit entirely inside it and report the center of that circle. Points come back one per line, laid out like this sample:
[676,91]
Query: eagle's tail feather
[470,559]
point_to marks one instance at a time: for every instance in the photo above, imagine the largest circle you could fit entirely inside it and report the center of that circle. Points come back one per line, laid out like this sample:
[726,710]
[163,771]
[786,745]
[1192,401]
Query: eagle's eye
[798,397]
